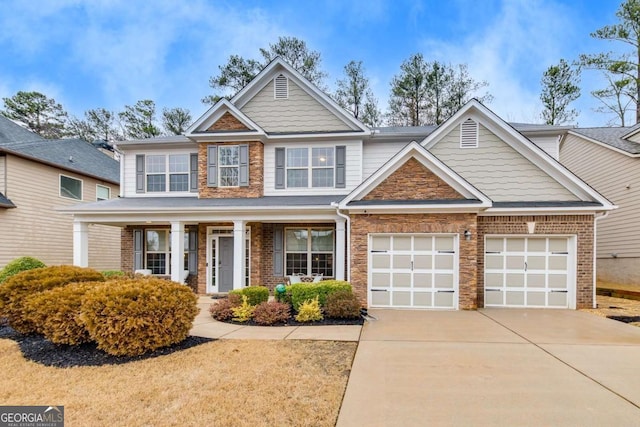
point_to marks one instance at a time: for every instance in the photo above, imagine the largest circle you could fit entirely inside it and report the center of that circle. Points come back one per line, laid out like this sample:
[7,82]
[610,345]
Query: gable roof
[278,65]
[213,114]
[13,132]
[612,137]
[509,135]
[473,197]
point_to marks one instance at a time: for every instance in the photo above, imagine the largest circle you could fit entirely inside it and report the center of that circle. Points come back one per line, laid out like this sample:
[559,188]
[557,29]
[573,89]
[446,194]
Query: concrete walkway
[205,326]
[494,367]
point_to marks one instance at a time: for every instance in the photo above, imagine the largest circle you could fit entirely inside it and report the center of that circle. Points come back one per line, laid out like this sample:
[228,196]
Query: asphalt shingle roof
[612,136]
[5,203]
[71,154]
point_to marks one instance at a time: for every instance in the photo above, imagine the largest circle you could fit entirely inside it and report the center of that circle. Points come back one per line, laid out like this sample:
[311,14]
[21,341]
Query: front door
[225,265]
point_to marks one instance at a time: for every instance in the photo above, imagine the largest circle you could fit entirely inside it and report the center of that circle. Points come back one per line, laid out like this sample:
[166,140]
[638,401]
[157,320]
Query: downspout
[348,237]
[595,246]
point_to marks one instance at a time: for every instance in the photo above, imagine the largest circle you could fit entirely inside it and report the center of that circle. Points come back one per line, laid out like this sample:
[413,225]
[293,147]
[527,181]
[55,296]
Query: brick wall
[126,249]
[579,225]
[227,122]
[256,174]
[412,181]
[362,225]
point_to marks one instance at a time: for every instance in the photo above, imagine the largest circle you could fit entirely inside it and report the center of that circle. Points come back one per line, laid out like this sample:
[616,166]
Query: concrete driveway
[494,367]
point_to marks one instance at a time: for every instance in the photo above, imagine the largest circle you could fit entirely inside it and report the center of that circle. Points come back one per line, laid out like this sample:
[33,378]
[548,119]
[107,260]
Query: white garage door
[413,271]
[527,272]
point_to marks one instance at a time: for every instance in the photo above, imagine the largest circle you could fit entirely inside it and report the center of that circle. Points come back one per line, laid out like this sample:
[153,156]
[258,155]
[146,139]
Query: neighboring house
[38,176]
[280,181]
[609,160]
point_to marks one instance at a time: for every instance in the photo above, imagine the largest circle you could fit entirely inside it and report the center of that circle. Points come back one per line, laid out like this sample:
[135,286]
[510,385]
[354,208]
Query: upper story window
[310,167]
[102,192]
[229,165]
[313,167]
[159,173]
[70,188]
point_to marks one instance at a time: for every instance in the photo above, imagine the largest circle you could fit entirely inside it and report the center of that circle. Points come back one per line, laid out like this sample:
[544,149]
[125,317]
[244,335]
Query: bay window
[309,251]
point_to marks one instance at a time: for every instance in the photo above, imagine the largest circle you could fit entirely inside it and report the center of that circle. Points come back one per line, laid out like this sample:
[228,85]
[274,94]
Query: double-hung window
[158,251]
[313,167]
[170,171]
[309,251]
[229,165]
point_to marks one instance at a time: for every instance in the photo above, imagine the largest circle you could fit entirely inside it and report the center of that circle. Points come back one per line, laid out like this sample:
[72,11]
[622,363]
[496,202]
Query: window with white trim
[309,251]
[229,165]
[102,192]
[164,172]
[158,251]
[70,188]
[310,168]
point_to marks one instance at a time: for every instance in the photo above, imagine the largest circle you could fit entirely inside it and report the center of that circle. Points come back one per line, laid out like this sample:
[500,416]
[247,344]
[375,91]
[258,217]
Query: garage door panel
[527,271]
[401,280]
[409,270]
[422,280]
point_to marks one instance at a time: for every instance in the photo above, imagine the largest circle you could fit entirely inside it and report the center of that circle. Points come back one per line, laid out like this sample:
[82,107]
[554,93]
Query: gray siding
[299,113]
[498,170]
[36,228]
[376,154]
[610,173]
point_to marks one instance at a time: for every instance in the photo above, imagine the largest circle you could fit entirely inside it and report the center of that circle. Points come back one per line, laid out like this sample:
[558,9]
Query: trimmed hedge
[16,289]
[56,313]
[301,292]
[18,265]
[272,312]
[255,294]
[133,316]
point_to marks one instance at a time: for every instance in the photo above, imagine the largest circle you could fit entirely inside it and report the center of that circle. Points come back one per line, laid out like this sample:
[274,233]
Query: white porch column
[177,251]
[238,254]
[80,244]
[340,249]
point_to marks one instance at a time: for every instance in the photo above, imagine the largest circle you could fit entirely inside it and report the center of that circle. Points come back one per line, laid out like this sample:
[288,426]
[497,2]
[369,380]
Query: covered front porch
[216,251]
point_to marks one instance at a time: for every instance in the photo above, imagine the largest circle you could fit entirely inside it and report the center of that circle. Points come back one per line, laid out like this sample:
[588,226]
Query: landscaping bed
[617,309]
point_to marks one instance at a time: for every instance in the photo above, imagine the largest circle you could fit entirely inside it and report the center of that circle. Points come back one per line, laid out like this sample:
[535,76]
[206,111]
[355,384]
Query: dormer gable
[223,118]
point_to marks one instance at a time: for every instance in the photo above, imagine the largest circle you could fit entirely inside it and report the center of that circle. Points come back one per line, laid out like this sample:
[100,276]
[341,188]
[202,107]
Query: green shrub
[16,289]
[272,312]
[284,297]
[243,312]
[18,265]
[310,311]
[108,274]
[130,317]
[221,310]
[255,294]
[301,292]
[342,305]
[56,313]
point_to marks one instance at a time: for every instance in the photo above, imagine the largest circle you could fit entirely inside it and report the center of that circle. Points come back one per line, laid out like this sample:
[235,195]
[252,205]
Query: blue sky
[109,53]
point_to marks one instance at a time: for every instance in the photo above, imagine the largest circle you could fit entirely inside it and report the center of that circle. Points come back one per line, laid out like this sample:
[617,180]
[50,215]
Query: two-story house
[280,181]
[38,176]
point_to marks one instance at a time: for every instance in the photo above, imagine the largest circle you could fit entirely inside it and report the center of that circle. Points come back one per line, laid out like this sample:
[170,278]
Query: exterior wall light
[467,234]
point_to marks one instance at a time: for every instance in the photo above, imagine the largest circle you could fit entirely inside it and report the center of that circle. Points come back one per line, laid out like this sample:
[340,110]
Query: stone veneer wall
[580,225]
[362,225]
[256,174]
[413,181]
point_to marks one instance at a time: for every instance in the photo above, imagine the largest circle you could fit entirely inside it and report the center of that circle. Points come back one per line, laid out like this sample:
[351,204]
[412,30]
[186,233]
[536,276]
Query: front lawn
[227,382]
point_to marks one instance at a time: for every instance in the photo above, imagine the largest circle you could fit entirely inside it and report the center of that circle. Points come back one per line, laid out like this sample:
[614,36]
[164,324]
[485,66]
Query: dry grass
[609,306]
[222,383]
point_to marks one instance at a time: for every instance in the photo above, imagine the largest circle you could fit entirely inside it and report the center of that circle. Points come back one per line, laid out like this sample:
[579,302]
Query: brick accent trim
[227,122]
[413,181]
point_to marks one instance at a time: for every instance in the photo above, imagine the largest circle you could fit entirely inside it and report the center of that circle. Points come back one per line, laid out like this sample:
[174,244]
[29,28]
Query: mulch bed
[625,319]
[37,349]
[292,322]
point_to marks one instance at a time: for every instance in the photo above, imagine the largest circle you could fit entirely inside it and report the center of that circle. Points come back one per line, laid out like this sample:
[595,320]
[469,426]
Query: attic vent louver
[469,134]
[281,87]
